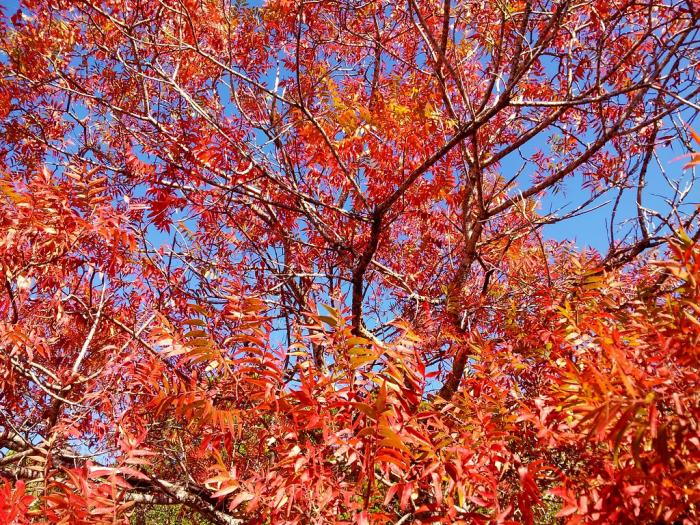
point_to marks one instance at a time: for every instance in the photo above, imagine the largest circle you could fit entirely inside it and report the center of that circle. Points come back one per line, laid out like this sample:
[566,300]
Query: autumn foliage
[290,262]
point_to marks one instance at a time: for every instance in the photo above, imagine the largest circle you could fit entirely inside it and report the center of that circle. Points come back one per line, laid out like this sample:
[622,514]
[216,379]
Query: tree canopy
[294,262]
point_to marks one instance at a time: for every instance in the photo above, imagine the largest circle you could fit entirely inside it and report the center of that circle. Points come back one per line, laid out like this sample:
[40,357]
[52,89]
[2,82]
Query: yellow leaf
[391,439]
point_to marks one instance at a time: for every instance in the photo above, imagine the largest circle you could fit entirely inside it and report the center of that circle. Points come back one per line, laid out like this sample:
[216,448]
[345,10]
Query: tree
[286,263]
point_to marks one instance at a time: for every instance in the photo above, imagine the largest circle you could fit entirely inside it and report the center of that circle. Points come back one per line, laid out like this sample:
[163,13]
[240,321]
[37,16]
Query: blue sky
[587,230]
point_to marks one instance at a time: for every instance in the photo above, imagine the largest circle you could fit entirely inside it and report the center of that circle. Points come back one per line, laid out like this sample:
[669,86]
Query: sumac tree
[289,263]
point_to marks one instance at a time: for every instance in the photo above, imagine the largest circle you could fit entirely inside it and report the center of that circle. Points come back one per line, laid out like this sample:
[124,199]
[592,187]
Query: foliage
[286,263]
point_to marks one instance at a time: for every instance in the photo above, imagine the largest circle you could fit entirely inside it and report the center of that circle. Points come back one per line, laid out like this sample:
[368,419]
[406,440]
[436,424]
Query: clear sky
[590,229]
